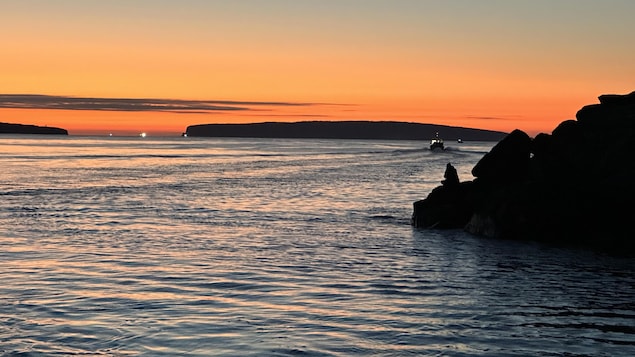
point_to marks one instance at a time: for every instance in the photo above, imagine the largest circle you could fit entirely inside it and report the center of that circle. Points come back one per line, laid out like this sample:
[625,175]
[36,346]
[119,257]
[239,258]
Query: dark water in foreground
[243,247]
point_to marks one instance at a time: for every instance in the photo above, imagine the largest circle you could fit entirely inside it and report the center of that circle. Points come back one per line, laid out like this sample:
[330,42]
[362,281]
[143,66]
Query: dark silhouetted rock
[573,186]
[450,175]
[446,207]
[507,161]
[617,99]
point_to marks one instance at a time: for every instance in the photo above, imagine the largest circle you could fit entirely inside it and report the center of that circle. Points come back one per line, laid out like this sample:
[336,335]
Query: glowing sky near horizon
[491,64]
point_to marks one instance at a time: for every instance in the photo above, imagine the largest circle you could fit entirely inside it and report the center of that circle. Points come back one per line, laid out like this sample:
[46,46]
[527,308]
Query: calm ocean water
[260,247]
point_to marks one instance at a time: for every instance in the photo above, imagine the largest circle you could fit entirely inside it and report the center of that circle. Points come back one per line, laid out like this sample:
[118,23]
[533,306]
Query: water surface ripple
[248,247]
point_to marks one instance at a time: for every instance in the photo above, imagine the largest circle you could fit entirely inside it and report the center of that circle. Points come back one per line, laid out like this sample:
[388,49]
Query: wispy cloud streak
[39,101]
[512,117]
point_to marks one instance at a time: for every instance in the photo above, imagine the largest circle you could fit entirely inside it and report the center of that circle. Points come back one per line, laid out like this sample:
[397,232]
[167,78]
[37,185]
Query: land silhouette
[8,128]
[378,130]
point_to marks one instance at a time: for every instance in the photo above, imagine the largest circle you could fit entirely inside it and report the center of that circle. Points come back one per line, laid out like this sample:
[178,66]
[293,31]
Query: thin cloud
[290,115]
[40,101]
[491,118]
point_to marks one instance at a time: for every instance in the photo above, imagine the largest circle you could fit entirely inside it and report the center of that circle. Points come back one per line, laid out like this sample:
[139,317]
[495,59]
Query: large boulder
[574,185]
[447,206]
[507,162]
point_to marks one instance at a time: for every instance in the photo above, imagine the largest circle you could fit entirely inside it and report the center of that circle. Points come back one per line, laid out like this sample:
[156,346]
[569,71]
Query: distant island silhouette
[379,130]
[8,128]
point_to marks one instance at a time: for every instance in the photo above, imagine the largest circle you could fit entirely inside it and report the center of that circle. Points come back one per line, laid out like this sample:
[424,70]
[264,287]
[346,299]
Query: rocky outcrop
[574,186]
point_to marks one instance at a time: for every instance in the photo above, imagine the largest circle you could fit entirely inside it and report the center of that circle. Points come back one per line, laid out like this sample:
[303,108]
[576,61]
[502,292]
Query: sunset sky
[157,66]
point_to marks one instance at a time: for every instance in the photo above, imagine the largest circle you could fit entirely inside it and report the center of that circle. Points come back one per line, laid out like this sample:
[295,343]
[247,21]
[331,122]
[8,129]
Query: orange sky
[496,65]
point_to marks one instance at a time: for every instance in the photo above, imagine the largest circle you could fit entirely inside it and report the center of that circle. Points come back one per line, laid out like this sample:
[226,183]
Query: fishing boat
[436,143]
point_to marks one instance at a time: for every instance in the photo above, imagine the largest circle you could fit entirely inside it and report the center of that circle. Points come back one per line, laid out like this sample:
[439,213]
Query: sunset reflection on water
[182,246]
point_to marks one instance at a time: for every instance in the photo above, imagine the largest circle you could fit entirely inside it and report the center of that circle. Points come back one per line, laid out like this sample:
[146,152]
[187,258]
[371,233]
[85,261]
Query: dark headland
[574,186]
[380,130]
[7,128]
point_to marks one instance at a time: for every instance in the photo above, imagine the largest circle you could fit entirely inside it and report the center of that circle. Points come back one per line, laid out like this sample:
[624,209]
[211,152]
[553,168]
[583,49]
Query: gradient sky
[98,67]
